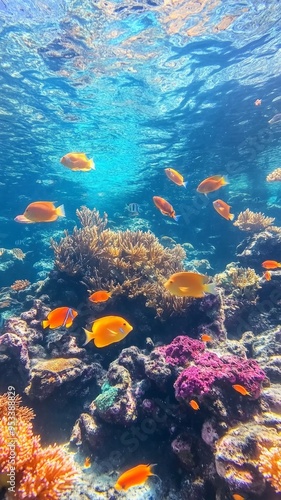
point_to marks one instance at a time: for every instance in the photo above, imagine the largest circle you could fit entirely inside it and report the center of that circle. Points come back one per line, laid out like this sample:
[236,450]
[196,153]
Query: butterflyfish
[212,184]
[43,211]
[165,207]
[108,330]
[271,264]
[175,177]
[223,209]
[189,284]
[241,389]
[194,405]
[77,161]
[61,316]
[134,477]
[100,296]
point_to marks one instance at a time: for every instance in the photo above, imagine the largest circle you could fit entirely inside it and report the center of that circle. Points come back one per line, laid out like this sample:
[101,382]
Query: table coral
[41,473]
[210,370]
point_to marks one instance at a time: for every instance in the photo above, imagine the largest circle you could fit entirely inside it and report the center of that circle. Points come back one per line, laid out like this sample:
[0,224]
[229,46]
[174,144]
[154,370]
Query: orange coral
[41,473]
[270,465]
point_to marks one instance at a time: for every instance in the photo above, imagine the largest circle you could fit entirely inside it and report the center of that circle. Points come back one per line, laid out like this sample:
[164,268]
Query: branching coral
[41,473]
[270,464]
[239,280]
[127,262]
[274,176]
[253,221]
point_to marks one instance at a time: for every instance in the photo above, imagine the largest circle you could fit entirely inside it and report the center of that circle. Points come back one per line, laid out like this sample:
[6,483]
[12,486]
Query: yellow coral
[270,464]
[274,176]
[253,221]
[41,473]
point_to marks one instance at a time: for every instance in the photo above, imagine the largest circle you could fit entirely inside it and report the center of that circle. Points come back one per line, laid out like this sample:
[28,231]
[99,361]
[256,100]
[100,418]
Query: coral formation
[209,371]
[41,473]
[20,285]
[270,463]
[253,221]
[274,176]
[126,262]
[238,279]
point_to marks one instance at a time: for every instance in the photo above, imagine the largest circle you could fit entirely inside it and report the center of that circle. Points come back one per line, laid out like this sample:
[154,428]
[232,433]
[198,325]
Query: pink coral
[181,350]
[209,369]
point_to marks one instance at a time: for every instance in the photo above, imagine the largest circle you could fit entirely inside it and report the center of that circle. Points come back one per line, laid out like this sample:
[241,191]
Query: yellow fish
[189,284]
[77,161]
[108,330]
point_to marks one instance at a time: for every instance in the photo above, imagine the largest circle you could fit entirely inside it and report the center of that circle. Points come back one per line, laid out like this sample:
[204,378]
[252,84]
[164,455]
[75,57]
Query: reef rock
[49,375]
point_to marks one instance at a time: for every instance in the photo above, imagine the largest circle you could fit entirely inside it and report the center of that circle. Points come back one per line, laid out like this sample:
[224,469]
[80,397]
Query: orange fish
[223,209]
[194,405]
[108,330]
[87,463]
[100,296]
[175,177]
[206,338]
[43,211]
[212,184]
[258,102]
[271,264]
[133,477]
[62,316]
[189,284]
[77,161]
[236,496]
[267,275]
[165,207]
[241,389]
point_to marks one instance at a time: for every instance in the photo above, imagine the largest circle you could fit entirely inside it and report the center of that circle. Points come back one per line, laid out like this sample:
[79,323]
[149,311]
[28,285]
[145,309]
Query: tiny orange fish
[258,102]
[236,496]
[194,405]
[100,296]
[165,207]
[61,316]
[211,184]
[175,177]
[223,209]
[206,338]
[241,389]
[87,463]
[271,264]
[267,275]
[133,477]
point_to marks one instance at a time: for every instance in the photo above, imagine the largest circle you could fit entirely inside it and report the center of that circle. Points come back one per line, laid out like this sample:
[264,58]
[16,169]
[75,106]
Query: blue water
[138,87]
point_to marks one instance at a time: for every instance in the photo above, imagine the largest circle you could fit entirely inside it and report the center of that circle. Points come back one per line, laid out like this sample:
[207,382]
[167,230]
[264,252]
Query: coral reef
[252,221]
[238,280]
[274,176]
[126,262]
[256,248]
[41,473]
[20,285]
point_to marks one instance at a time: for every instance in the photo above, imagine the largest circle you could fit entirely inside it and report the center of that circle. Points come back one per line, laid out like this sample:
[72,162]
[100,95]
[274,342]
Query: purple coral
[181,350]
[209,369]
